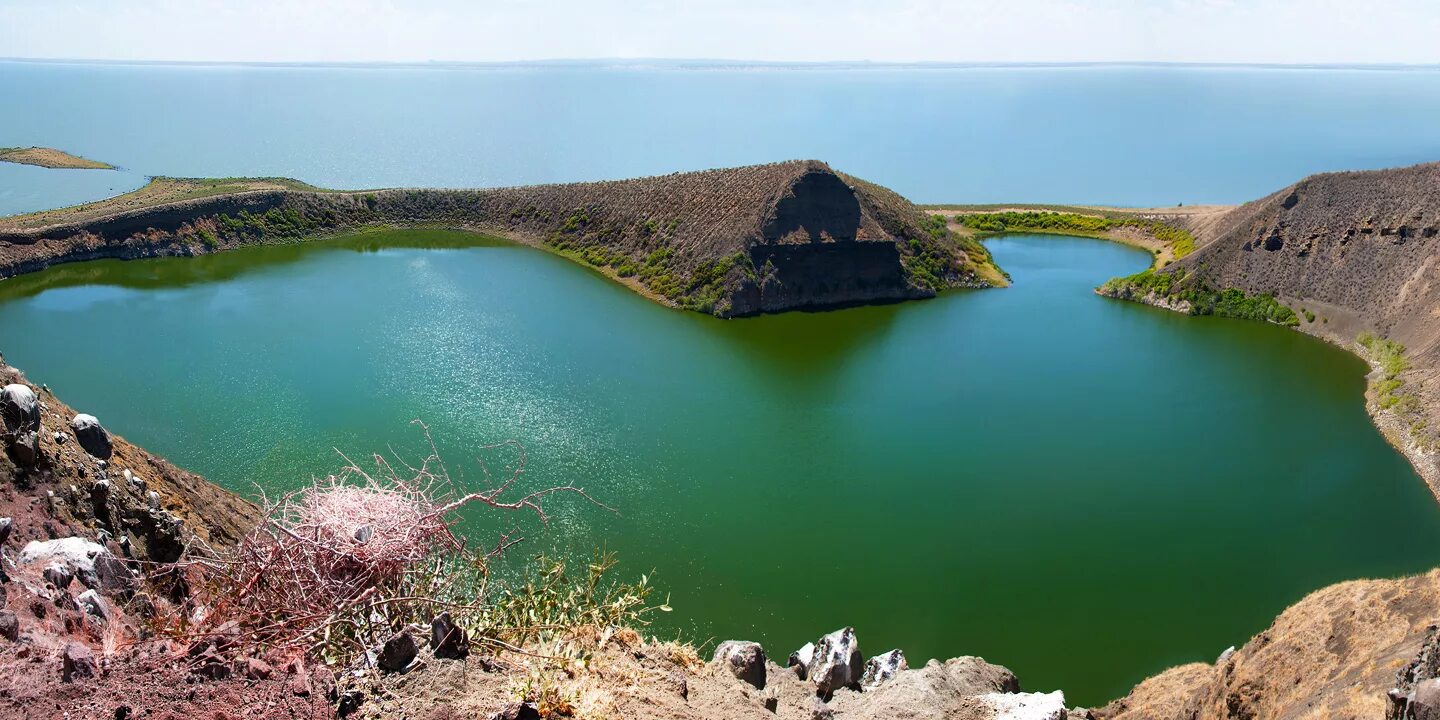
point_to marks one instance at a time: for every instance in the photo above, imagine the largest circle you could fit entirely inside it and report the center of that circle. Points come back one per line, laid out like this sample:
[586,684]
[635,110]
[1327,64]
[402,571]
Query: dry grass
[159,191]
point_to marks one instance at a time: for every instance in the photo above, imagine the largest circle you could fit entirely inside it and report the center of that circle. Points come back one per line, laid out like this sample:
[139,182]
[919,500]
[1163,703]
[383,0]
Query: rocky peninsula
[732,242]
[50,158]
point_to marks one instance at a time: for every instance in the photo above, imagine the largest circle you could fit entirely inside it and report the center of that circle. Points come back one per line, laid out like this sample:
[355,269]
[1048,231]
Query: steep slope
[1353,254]
[738,241]
[1334,655]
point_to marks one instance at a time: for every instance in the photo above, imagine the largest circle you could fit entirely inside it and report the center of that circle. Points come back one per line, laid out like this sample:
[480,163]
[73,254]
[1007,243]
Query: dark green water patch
[1085,490]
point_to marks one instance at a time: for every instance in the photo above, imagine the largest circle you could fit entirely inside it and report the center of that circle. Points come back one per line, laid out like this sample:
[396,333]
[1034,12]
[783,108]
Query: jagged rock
[25,448]
[881,668]
[800,660]
[92,436]
[19,408]
[1027,706]
[112,575]
[6,526]
[1425,705]
[58,575]
[679,684]
[1225,656]
[257,669]
[837,661]
[90,603]
[448,641]
[397,653]
[743,659]
[517,711]
[210,663]
[152,499]
[76,662]
[9,625]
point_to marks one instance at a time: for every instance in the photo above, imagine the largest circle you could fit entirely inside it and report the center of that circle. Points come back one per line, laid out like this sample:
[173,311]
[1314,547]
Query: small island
[50,158]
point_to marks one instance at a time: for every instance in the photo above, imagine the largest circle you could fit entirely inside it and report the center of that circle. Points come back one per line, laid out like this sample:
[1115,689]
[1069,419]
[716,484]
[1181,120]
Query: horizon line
[724,62]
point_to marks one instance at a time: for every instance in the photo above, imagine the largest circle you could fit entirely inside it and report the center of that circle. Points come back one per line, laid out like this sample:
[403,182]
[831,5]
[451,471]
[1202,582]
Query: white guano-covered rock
[92,436]
[76,553]
[19,408]
[837,661]
[881,668]
[1027,706]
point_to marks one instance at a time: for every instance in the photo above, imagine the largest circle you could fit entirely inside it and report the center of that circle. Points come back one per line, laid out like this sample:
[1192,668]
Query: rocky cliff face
[1362,241]
[740,241]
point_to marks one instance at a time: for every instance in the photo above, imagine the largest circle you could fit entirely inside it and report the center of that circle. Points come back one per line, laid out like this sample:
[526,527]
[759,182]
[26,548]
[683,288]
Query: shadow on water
[178,272]
[804,346]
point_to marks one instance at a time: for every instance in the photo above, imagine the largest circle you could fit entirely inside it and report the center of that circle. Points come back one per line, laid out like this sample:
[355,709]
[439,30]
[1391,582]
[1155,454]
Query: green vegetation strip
[1178,286]
[1180,241]
[1390,356]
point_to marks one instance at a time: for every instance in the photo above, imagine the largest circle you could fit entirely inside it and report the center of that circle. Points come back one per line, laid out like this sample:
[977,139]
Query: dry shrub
[343,563]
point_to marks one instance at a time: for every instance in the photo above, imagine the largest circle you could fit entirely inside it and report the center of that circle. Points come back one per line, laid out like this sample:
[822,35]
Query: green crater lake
[1084,490]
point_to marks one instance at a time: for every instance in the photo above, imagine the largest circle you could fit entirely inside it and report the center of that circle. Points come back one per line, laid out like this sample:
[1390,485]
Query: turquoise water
[1084,490]
[1113,135]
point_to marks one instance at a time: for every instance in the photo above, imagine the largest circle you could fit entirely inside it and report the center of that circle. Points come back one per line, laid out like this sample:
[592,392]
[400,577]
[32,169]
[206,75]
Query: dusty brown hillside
[1332,656]
[737,241]
[1353,254]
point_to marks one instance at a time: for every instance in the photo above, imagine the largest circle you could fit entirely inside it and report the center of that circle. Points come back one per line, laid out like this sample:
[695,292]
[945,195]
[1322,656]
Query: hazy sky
[1279,31]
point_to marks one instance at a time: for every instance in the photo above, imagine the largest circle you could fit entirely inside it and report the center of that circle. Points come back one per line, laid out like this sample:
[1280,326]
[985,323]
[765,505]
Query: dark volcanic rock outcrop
[729,242]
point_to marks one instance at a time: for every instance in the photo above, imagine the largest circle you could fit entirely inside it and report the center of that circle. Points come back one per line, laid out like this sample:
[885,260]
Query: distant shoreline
[723,64]
[50,158]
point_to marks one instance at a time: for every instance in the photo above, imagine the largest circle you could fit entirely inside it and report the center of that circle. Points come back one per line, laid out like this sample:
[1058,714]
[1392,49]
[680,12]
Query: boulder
[1225,656]
[1027,706]
[397,653]
[9,625]
[448,641]
[90,603]
[744,660]
[1425,705]
[25,448]
[92,436]
[800,659]
[6,525]
[76,552]
[58,574]
[19,408]
[837,662]
[76,662]
[257,669]
[881,668]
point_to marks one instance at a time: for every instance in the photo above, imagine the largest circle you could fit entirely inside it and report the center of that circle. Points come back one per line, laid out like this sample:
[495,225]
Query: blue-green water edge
[1084,490]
